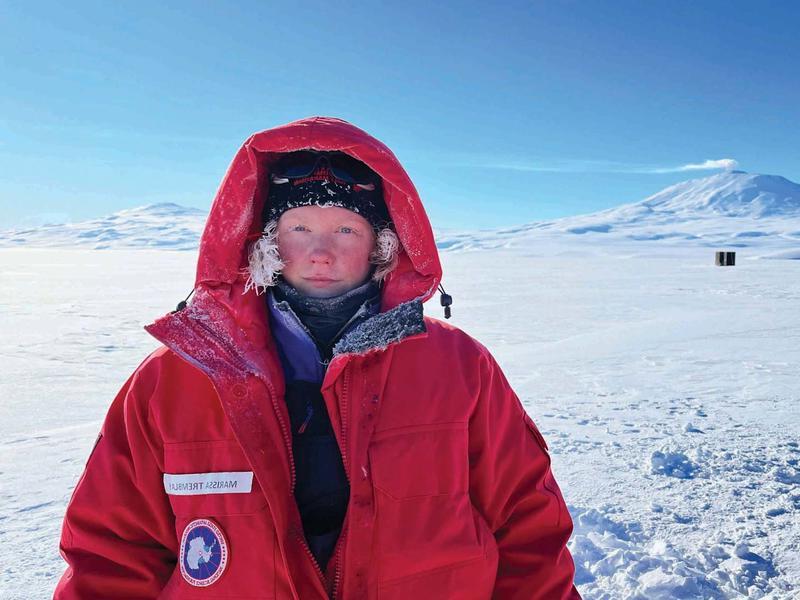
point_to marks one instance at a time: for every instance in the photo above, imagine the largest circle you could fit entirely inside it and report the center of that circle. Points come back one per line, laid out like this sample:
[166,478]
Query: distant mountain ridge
[727,210]
[163,225]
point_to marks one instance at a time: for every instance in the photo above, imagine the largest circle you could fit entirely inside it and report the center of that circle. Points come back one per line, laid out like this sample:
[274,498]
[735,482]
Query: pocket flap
[421,461]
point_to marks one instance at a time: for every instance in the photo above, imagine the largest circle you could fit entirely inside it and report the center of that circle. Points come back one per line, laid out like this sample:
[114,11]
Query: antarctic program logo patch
[204,553]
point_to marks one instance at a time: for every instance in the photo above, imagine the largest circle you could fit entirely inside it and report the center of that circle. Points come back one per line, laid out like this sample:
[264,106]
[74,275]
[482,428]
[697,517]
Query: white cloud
[589,166]
[721,163]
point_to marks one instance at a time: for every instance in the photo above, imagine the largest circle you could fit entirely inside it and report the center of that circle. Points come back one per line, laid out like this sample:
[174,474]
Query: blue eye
[345,229]
[299,228]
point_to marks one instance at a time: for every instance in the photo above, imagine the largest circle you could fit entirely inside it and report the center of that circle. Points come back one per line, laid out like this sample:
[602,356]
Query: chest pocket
[219,456]
[419,461]
[425,522]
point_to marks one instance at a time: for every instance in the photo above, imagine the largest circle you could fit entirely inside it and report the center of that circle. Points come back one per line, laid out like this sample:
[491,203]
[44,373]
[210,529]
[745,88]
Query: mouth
[319,281]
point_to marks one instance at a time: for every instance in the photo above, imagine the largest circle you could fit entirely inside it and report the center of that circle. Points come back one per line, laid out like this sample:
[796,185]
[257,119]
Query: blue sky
[501,113]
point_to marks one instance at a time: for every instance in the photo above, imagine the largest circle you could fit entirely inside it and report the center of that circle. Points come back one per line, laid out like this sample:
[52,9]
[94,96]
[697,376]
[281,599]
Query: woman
[304,432]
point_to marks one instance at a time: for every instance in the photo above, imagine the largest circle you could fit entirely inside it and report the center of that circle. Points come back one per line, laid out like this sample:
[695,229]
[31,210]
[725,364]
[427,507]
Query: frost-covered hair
[384,255]
[264,263]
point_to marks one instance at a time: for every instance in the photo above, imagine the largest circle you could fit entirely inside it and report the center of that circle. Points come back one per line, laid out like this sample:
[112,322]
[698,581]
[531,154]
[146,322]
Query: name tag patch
[191,484]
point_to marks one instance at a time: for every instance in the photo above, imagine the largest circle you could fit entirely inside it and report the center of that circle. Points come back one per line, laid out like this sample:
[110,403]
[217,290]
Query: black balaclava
[326,318]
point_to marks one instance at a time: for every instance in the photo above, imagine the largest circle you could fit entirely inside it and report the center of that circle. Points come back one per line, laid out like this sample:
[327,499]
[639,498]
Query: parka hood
[235,217]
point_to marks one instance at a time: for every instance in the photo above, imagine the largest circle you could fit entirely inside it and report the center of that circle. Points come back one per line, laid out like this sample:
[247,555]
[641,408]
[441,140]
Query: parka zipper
[245,367]
[302,538]
[298,529]
[338,571]
[340,544]
[287,439]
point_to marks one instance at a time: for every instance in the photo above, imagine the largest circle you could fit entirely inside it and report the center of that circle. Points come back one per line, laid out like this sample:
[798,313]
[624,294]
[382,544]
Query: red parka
[451,496]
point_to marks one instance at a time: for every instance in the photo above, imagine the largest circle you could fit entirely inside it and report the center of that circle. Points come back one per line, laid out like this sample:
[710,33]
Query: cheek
[356,265]
[353,254]
[356,256]
[290,250]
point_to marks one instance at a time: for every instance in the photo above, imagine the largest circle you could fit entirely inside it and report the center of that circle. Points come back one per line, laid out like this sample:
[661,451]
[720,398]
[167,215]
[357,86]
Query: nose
[320,254]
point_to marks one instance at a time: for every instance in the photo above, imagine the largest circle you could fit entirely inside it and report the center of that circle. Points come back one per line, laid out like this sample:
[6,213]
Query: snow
[672,464]
[666,387]
[613,358]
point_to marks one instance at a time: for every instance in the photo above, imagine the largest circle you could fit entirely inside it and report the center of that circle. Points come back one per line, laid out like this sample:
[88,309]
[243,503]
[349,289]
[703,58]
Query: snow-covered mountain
[164,225]
[728,210]
[728,194]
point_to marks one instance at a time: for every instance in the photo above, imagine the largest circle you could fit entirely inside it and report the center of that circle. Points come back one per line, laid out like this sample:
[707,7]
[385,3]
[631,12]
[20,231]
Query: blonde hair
[264,263]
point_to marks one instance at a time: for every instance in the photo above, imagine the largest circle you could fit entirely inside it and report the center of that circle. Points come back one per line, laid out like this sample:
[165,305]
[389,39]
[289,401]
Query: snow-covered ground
[666,387]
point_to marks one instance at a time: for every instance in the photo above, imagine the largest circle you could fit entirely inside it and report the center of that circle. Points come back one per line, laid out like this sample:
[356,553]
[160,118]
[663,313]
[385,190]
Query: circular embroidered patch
[204,553]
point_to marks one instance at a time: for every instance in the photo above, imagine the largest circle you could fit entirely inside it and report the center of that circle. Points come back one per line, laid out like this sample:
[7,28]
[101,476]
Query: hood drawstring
[446,301]
[182,303]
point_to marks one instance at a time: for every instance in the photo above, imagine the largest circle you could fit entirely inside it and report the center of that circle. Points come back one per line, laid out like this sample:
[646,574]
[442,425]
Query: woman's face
[325,249]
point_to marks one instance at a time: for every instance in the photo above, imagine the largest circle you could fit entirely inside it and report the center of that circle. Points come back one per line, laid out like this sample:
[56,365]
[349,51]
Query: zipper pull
[446,301]
[309,414]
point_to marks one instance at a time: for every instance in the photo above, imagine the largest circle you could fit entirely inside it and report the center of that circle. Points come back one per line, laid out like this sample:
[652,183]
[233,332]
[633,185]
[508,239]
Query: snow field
[666,389]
